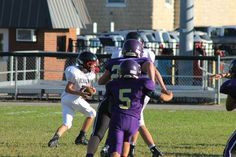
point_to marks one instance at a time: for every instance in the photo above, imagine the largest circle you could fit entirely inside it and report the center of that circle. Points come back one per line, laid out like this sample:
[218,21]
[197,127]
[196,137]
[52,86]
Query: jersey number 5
[126,100]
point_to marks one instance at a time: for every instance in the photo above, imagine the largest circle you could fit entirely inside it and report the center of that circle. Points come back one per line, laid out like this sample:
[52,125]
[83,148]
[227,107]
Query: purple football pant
[122,128]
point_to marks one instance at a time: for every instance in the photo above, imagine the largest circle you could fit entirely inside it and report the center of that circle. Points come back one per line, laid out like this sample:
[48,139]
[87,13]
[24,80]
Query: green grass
[25,131]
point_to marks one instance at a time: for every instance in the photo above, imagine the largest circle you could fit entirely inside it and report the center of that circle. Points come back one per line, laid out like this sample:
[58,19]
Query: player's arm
[149,68]
[159,80]
[71,90]
[106,76]
[219,76]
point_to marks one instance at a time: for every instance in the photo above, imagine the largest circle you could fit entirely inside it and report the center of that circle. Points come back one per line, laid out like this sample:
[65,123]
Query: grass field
[25,131]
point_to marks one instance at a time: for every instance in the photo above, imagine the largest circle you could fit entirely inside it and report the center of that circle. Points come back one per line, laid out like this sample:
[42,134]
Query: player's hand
[166,95]
[85,94]
[166,92]
[216,76]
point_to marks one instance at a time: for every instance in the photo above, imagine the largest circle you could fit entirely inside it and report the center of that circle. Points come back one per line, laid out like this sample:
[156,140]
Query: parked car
[110,42]
[146,35]
[88,43]
[225,38]
[172,41]
[203,41]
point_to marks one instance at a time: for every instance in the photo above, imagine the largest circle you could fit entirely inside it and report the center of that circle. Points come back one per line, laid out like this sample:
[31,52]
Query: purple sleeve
[149,85]
[142,60]
[108,65]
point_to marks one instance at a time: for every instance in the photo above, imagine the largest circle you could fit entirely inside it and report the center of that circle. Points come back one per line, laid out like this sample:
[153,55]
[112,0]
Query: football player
[146,135]
[132,49]
[146,51]
[74,98]
[127,95]
[229,88]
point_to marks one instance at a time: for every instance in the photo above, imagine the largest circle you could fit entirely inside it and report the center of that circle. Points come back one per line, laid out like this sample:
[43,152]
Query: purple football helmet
[132,48]
[130,69]
[134,35]
[232,68]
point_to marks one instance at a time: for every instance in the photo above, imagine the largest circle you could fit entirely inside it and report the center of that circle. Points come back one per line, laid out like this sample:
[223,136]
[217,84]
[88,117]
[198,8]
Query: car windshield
[230,32]
[150,38]
[165,37]
[205,37]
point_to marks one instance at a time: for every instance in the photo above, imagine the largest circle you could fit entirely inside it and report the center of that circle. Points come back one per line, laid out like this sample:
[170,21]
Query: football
[166,97]
[89,90]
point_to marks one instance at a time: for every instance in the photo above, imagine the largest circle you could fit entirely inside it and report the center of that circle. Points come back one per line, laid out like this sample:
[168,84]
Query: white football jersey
[146,53]
[149,54]
[116,53]
[78,77]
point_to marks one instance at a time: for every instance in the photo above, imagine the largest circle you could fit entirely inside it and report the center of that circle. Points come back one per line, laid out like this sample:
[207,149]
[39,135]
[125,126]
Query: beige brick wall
[163,15]
[156,14]
[211,12]
[136,15]
[215,12]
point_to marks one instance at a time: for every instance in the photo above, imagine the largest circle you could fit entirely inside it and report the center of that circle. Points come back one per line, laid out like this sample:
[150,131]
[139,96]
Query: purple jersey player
[229,88]
[127,96]
[132,50]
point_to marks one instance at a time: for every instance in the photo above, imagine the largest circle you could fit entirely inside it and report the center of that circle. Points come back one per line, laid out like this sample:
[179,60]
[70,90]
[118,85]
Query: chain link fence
[40,75]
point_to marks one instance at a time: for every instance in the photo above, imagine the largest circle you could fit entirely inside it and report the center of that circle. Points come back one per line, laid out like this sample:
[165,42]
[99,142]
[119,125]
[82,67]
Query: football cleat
[156,152]
[104,151]
[53,142]
[131,151]
[81,140]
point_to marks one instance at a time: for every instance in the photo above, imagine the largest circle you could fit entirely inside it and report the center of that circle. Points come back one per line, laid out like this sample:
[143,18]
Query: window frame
[32,34]
[117,4]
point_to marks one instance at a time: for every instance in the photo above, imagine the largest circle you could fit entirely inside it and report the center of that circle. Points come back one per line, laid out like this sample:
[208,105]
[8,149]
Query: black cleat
[81,140]
[53,142]
[104,151]
[131,151]
[156,152]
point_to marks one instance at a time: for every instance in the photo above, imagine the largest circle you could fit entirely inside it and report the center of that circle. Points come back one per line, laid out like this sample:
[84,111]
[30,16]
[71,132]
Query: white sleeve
[116,53]
[149,54]
[70,75]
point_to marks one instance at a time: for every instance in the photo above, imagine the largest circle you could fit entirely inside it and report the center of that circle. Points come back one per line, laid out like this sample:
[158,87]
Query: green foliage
[25,131]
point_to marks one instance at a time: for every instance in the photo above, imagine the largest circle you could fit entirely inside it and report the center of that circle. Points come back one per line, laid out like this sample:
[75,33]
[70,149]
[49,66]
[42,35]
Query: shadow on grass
[191,155]
[191,146]
[195,145]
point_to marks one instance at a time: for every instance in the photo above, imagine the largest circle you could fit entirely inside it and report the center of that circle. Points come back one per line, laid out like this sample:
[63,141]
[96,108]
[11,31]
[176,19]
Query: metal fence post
[24,68]
[11,70]
[16,77]
[38,59]
[219,81]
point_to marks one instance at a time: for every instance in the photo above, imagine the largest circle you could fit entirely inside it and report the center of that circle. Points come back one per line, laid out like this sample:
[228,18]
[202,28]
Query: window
[25,35]
[116,3]
[169,2]
[61,43]
[230,32]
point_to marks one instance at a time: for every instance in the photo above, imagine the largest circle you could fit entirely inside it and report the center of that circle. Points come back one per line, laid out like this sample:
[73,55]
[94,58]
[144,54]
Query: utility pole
[186,39]
[186,27]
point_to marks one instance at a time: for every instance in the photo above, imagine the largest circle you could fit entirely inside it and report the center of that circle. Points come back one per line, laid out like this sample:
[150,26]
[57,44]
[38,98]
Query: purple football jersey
[229,87]
[128,95]
[113,64]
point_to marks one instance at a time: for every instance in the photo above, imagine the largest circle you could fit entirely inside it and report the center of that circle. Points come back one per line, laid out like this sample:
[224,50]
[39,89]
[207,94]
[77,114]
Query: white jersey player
[146,53]
[74,99]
